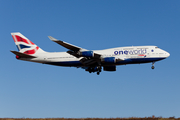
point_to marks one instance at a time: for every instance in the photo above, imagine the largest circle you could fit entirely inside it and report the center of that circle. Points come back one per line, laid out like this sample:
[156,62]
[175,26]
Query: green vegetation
[131,118]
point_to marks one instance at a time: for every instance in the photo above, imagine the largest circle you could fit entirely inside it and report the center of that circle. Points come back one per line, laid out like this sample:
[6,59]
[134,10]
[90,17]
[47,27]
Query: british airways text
[131,52]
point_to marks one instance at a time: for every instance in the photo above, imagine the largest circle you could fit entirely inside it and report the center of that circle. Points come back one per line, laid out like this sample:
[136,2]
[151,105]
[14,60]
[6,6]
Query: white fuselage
[127,55]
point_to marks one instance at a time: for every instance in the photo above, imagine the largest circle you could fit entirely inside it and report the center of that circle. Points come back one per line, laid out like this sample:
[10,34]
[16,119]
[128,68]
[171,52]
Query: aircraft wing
[76,51]
[66,45]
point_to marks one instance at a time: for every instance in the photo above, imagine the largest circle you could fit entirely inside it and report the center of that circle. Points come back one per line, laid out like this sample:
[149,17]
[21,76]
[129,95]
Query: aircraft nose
[167,54]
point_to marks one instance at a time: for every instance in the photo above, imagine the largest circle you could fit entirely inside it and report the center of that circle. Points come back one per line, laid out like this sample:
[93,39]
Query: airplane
[90,60]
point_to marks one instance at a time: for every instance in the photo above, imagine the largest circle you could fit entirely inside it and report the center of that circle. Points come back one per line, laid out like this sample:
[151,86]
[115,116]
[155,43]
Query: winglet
[65,44]
[52,38]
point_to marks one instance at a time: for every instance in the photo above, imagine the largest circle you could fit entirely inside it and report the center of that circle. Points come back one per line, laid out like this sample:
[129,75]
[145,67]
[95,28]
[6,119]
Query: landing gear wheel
[152,67]
[99,70]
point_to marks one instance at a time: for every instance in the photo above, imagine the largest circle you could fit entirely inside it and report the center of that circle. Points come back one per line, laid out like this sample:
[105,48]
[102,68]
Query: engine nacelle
[109,68]
[86,54]
[109,60]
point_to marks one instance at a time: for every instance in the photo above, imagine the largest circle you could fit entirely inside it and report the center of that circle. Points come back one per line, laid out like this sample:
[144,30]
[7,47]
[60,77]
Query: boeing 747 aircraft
[90,60]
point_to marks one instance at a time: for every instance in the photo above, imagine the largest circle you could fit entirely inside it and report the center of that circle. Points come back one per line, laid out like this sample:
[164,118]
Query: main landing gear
[94,69]
[99,70]
[152,65]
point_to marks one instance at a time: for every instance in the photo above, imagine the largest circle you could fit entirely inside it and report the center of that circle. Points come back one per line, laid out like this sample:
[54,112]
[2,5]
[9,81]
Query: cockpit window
[156,47]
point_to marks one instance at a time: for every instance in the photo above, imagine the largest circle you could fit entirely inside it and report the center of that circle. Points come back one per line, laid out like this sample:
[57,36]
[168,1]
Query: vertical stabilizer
[24,45]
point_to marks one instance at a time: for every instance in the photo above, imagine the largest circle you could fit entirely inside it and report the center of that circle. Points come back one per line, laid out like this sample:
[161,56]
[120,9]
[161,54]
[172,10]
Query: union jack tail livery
[24,45]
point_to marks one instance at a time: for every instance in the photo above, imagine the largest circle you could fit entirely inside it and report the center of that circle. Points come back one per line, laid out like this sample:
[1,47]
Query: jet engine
[86,54]
[109,60]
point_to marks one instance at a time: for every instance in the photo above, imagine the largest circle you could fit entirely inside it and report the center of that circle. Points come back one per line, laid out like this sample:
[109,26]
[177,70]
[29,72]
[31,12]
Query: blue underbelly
[139,60]
[126,61]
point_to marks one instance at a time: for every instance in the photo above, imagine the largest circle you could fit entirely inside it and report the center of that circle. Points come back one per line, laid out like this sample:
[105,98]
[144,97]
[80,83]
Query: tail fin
[24,45]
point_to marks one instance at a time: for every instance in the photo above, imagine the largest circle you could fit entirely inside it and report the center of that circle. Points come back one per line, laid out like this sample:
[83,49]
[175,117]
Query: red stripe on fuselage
[141,55]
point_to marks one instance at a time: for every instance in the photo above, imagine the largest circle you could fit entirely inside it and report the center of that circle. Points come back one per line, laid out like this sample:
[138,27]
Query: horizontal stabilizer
[23,55]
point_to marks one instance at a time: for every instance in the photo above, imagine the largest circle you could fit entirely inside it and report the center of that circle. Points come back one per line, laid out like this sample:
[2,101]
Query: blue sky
[38,91]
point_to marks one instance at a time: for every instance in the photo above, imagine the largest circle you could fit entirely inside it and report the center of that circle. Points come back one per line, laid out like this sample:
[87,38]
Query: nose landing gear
[152,65]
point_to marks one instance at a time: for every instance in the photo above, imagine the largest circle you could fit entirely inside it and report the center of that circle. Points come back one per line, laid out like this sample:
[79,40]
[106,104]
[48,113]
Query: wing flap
[88,62]
[73,53]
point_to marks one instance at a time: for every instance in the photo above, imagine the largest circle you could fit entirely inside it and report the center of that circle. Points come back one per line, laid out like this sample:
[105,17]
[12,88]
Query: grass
[131,118]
